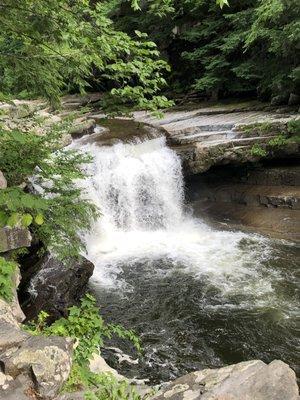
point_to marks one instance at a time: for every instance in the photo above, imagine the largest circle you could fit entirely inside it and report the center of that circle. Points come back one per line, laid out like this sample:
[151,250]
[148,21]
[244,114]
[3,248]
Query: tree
[54,46]
[248,48]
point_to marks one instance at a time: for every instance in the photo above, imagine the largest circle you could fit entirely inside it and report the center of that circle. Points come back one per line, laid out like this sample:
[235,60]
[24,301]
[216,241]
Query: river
[197,296]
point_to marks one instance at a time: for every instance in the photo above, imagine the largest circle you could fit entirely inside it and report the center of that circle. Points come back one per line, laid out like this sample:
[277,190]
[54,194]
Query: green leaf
[14,219]
[27,220]
[221,3]
[3,218]
[39,219]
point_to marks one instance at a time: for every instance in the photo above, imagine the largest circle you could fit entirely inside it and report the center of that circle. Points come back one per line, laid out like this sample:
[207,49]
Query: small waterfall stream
[197,296]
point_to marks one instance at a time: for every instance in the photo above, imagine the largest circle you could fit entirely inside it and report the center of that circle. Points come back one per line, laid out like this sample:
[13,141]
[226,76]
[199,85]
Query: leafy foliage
[51,46]
[278,141]
[258,151]
[293,127]
[7,270]
[88,329]
[54,208]
[102,386]
[246,48]
[85,325]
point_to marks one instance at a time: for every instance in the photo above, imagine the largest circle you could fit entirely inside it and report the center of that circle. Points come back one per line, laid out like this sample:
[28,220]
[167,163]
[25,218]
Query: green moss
[263,129]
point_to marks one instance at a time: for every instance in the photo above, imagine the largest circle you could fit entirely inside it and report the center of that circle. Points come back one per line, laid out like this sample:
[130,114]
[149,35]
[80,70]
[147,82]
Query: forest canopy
[133,51]
[251,47]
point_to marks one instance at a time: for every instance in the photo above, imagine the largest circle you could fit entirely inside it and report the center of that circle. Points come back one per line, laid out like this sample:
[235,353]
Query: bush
[88,329]
[278,141]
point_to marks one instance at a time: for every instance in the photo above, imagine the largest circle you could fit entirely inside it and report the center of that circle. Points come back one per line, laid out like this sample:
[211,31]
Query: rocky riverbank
[264,198]
[233,134]
[36,367]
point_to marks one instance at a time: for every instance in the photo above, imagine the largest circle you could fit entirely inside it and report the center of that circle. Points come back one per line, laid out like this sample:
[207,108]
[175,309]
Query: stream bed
[198,297]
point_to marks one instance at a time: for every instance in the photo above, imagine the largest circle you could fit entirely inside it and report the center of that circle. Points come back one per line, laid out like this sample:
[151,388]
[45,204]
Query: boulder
[46,360]
[10,332]
[294,99]
[14,238]
[54,286]
[31,367]
[82,127]
[11,312]
[11,316]
[14,304]
[3,182]
[20,388]
[250,380]
[99,366]
[10,336]
[279,100]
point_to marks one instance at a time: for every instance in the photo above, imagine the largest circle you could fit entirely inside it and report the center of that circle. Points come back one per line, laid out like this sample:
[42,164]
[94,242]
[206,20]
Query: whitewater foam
[139,190]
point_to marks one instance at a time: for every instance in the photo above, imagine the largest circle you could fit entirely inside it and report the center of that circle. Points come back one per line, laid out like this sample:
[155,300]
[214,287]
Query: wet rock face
[250,380]
[54,286]
[264,199]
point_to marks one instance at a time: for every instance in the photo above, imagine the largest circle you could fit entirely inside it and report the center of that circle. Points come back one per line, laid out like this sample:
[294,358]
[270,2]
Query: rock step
[257,195]
[204,136]
[240,141]
[199,128]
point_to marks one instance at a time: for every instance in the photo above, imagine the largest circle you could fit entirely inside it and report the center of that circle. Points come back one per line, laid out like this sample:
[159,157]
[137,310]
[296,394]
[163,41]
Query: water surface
[197,296]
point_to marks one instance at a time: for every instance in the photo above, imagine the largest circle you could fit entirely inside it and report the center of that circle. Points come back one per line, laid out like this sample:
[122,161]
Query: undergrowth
[290,134]
[89,331]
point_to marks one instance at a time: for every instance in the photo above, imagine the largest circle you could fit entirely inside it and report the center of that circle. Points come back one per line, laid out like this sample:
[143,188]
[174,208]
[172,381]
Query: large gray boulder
[20,388]
[250,380]
[47,360]
[14,238]
[31,367]
[54,286]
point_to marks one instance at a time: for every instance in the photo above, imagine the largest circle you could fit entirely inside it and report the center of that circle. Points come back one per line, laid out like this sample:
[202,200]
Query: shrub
[294,127]
[88,329]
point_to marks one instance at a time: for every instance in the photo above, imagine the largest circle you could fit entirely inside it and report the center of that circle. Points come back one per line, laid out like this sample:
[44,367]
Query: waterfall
[137,187]
[139,190]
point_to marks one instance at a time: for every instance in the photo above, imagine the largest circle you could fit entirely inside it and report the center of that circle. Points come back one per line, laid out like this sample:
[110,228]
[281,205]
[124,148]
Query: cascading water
[197,296]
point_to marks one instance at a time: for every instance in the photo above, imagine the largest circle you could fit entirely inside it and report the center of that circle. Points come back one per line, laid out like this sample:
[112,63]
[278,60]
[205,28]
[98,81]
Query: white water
[140,192]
